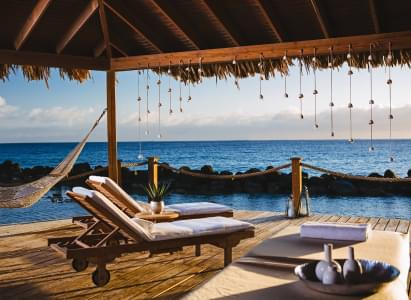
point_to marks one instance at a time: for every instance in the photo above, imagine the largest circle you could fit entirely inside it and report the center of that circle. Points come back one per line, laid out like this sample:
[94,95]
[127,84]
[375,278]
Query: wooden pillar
[297,180]
[153,171]
[111,126]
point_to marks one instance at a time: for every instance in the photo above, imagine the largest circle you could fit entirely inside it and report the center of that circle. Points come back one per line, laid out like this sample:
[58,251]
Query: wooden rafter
[361,43]
[178,28]
[122,52]
[268,20]
[320,18]
[133,28]
[104,30]
[31,22]
[221,25]
[99,49]
[77,25]
[52,60]
[374,16]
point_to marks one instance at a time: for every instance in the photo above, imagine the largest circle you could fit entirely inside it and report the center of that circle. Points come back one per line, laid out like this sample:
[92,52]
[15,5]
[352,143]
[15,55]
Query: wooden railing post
[119,178]
[153,171]
[112,126]
[297,181]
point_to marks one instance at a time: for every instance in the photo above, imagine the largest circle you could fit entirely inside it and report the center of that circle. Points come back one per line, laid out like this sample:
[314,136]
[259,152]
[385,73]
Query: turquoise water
[233,156]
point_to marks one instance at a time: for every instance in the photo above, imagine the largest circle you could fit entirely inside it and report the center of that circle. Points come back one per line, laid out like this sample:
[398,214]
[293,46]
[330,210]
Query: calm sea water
[233,156]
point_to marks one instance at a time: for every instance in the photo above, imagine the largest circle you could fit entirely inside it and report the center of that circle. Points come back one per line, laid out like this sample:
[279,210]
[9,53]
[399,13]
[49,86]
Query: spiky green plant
[156,193]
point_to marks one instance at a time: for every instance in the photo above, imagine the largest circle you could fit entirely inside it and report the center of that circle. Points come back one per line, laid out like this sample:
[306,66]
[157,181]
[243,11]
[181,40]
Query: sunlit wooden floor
[29,269]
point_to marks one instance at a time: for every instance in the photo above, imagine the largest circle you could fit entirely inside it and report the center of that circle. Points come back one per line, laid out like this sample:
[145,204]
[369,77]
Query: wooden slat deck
[29,269]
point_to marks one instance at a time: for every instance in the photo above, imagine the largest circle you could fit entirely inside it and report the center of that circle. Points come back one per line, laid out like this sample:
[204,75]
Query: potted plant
[156,196]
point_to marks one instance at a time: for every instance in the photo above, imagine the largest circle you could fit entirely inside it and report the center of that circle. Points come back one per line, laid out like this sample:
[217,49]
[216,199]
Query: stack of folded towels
[335,231]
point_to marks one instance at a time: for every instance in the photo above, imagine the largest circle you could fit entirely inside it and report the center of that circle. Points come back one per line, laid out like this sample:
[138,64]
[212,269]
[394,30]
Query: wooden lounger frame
[113,196]
[102,247]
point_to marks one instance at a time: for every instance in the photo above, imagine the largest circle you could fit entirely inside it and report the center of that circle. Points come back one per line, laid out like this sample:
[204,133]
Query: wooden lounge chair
[123,235]
[132,207]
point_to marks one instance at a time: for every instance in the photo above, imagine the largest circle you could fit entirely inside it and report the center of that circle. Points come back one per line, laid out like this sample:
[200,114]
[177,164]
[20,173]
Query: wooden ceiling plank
[221,25]
[35,15]
[104,30]
[133,28]
[374,16]
[177,27]
[53,60]
[77,25]
[360,43]
[320,18]
[99,49]
[268,20]
[122,52]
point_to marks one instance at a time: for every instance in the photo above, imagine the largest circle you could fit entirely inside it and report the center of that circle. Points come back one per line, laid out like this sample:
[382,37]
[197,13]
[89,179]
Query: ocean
[233,156]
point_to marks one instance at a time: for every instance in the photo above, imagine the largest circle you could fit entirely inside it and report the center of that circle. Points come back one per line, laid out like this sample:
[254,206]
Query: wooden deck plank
[28,269]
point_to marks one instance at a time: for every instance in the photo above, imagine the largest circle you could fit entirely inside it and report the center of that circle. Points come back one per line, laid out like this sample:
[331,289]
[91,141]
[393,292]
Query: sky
[31,112]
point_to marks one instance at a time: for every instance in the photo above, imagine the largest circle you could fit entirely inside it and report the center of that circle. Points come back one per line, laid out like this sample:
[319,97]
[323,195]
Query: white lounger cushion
[197,227]
[198,208]
[138,205]
[335,231]
[171,230]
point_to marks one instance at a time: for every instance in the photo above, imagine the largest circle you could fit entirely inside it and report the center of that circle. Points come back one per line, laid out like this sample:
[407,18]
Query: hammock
[27,194]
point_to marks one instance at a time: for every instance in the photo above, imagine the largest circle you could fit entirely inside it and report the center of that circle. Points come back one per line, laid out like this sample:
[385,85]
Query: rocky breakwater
[271,183]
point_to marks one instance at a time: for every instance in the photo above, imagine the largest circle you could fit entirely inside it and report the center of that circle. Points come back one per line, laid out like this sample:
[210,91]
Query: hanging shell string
[285,59]
[389,83]
[147,94]
[200,70]
[180,98]
[236,72]
[331,66]
[140,154]
[315,91]
[301,95]
[159,102]
[188,69]
[170,111]
[260,67]
[350,106]
[371,122]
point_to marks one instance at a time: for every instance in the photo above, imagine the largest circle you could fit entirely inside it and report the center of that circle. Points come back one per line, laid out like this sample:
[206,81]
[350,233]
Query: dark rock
[343,188]
[409,173]
[389,174]
[207,169]
[80,168]
[252,170]
[226,173]
[318,185]
[253,187]
[375,174]
[273,188]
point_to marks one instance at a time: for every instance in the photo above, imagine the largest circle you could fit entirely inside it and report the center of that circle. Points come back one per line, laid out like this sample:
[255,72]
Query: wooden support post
[297,181]
[112,126]
[153,171]
[228,255]
[119,177]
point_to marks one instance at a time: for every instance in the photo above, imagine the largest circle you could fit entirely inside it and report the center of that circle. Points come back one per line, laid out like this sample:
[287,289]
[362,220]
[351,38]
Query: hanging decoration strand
[315,92]
[261,70]
[371,122]
[389,83]
[140,154]
[331,66]
[188,69]
[159,102]
[236,72]
[285,59]
[350,105]
[300,95]
[180,98]
[147,94]
[170,111]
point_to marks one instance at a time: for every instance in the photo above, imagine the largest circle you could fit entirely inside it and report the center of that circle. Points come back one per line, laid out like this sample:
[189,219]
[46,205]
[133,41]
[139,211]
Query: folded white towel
[335,231]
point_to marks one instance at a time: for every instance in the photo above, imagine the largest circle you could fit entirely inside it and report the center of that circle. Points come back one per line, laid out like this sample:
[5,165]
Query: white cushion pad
[197,227]
[198,208]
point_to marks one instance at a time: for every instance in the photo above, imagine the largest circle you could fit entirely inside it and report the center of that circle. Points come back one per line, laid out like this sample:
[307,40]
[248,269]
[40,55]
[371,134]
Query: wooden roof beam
[161,11]
[209,10]
[77,25]
[104,30]
[31,22]
[374,16]
[320,18]
[133,28]
[268,20]
[359,43]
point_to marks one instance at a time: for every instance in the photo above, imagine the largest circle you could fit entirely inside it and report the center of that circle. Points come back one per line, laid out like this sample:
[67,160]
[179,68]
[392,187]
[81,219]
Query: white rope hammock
[27,194]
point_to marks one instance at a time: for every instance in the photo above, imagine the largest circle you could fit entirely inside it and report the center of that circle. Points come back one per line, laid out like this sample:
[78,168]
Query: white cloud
[5,108]
[60,116]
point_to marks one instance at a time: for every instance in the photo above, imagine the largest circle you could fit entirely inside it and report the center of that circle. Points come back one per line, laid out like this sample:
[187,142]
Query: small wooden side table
[165,216]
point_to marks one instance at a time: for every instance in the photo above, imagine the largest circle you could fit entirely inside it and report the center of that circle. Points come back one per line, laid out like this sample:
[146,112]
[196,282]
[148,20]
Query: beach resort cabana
[188,40]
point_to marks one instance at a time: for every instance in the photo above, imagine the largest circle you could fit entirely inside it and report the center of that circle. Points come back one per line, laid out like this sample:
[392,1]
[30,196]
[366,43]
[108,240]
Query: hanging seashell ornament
[316,125]
[300,96]
[350,72]
[285,95]
[315,92]
[350,140]
[350,105]
[371,149]
[371,102]
[389,81]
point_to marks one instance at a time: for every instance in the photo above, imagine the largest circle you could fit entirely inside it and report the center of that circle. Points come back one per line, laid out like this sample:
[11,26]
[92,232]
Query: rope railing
[222,176]
[133,164]
[355,177]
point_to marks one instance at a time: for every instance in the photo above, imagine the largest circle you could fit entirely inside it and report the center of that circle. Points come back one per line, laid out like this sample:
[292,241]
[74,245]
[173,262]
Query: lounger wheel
[79,264]
[100,277]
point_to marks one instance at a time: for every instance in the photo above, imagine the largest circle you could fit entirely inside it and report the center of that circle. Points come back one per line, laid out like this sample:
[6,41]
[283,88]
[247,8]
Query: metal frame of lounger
[113,196]
[101,248]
